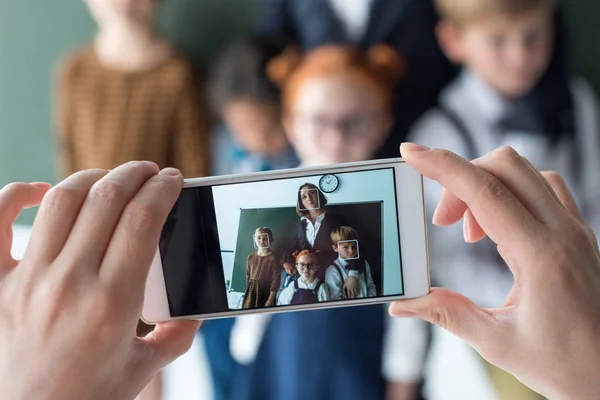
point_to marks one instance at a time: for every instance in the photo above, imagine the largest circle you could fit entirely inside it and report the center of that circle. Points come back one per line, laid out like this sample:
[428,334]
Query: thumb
[169,340]
[451,311]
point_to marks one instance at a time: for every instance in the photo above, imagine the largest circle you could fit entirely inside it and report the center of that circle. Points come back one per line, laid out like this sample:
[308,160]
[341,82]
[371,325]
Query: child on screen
[262,272]
[308,288]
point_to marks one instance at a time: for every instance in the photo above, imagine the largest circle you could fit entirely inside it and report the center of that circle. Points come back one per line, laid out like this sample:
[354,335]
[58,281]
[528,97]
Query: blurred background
[35,36]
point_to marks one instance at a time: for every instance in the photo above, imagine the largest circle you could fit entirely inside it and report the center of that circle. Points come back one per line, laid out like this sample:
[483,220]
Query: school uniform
[339,271]
[408,26]
[285,281]
[298,293]
[229,158]
[472,121]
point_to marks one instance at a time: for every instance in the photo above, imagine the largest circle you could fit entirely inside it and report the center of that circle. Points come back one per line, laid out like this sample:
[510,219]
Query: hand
[351,287]
[546,334]
[270,303]
[402,391]
[70,308]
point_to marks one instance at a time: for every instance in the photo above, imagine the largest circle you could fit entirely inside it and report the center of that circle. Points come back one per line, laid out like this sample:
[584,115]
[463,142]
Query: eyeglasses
[302,266]
[357,125]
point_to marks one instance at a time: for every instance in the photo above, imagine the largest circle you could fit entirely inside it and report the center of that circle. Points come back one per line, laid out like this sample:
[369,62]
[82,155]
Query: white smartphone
[232,245]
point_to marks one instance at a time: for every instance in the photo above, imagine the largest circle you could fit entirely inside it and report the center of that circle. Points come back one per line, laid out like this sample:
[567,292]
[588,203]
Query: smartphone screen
[282,242]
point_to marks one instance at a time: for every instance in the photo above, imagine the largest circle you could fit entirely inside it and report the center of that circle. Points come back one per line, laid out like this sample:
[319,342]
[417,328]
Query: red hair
[309,252]
[380,67]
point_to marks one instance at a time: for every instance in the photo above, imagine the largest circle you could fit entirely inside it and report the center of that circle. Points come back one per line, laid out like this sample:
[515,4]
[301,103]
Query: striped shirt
[108,117]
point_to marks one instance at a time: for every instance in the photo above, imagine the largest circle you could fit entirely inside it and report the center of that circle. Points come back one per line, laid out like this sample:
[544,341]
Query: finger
[101,211]
[13,199]
[57,214]
[449,210]
[501,215]
[563,193]
[472,230]
[135,240]
[452,312]
[170,340]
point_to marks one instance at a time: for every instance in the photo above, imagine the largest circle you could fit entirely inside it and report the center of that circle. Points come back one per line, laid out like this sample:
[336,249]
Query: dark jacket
[409,26]
[323,239]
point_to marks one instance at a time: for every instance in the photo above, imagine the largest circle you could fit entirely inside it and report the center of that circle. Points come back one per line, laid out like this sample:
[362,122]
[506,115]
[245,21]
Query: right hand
[546,334]
[69,309]
[351,287]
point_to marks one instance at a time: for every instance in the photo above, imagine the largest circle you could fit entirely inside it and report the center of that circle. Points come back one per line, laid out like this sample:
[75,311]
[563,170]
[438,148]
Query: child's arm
[191,142]
[371,288]
[248,266]
[351,287]
[323,294]
[285,297]
[275,282]
[404,353]
[334,283]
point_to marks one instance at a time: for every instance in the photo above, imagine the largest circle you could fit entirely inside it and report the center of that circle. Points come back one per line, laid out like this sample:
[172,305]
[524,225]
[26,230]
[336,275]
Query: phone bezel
[413,240]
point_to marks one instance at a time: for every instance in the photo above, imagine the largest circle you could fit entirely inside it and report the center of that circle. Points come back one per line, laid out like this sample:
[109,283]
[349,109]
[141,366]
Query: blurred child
[307,288]
[262,272]
[337,106]
[131,95]
[250,137]
[345,242]
[289,272]
[505,48]
[337,101]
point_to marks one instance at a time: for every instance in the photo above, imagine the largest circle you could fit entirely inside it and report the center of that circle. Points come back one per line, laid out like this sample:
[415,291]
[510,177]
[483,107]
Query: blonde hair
[343,233]
[461,12]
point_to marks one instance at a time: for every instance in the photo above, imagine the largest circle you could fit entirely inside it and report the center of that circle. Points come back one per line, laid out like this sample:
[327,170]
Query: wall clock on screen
[329,183]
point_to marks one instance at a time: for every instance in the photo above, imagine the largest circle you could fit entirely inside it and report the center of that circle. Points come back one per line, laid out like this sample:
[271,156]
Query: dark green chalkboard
[366,218]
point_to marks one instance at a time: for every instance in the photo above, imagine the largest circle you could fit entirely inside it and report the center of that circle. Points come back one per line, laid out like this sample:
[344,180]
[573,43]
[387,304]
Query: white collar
[319,218]
[491,105]
[342,262]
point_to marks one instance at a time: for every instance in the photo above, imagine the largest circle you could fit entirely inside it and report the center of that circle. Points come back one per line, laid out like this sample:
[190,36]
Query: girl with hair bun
[308,288]
[337,101]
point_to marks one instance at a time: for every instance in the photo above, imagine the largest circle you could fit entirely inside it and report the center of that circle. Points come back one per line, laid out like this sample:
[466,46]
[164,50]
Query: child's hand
[351,287]
[270,303]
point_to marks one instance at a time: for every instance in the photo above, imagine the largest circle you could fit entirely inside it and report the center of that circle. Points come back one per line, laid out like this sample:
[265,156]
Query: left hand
[402,391]
[69,309]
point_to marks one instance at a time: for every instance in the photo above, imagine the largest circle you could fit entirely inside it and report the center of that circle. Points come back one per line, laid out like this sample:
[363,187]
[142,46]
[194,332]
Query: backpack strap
[462,129]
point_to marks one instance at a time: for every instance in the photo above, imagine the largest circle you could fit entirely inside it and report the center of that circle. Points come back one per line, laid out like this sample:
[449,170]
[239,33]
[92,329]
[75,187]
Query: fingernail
[396,310]
[170,172]
[466,231]
[41,185]
[412,147]
[153,164]
[435,220]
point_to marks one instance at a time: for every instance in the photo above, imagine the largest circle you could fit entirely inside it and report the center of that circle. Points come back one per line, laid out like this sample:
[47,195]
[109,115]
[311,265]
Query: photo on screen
[239,232]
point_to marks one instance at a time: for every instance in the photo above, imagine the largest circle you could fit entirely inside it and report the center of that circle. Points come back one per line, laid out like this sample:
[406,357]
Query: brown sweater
[108,117]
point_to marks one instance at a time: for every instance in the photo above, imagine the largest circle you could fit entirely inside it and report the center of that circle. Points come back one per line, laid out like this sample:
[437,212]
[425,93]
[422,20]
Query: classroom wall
[34,34]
